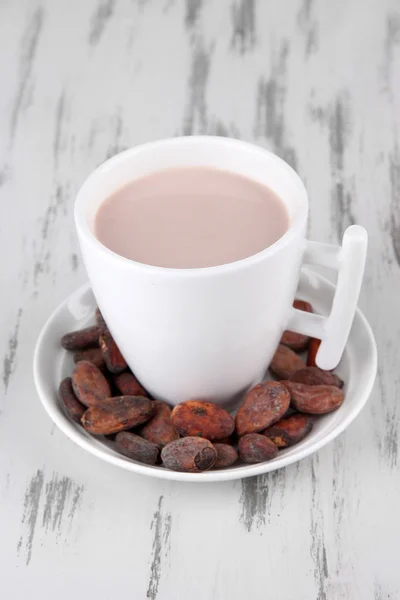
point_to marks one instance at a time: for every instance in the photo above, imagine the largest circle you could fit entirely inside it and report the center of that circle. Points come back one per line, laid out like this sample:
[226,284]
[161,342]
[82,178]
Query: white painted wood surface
[319,83]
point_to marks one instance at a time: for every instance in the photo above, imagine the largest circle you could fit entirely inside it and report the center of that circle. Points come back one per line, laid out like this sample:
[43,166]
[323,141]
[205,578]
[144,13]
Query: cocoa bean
[100,322]
[303,305]
[263,405]
[297,341]
[92,355]
[256,448]
[81,339]
[204,419]
[159,429]
[287,432]
[314,399]
[135,447]
[117,414]
[114,360]
[226,456]
[89,384]
[128,385]
[285,362]
[190,454]
[313,346]
[69,401]
[316,376]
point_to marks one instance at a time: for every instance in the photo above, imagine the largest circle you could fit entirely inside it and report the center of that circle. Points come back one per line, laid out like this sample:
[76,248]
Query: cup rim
[127,155]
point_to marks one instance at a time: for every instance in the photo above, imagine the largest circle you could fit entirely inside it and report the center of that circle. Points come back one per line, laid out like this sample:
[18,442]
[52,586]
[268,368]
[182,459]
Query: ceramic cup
[210,333]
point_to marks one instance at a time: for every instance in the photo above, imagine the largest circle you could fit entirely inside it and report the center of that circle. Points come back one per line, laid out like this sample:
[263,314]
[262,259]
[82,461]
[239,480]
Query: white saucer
[358,369]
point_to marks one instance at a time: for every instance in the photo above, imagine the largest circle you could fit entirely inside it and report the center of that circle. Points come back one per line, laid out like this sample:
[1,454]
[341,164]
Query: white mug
[210,333]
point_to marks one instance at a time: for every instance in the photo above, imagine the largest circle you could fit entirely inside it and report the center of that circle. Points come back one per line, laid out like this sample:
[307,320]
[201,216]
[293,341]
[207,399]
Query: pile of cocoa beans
[105,397]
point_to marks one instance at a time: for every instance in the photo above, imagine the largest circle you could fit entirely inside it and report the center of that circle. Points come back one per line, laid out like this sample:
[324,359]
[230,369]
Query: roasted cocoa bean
[285,362]
[114,360]
[69,401]
[316,376]
[89,384]
[100,322]
[263,405]
[135,447]
[204,419]
[226,456]
[256,448]
[314,399]
[159,429]
[190,454]
[128,385]
[117,414]
[313,346]
[297,341]
[81,339]
[287,432]
[303,305]
[92,355]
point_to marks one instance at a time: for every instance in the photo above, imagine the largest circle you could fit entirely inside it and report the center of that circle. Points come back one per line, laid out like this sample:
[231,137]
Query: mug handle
[349,261]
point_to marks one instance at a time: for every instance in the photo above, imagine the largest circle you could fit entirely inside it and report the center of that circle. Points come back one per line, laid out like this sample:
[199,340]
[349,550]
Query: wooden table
[316,81]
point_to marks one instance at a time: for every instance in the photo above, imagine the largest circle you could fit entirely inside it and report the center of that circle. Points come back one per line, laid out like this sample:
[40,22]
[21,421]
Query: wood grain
[317,82]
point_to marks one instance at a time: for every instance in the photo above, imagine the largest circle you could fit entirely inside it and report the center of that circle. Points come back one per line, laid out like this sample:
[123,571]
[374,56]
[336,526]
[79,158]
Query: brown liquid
[191,217]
